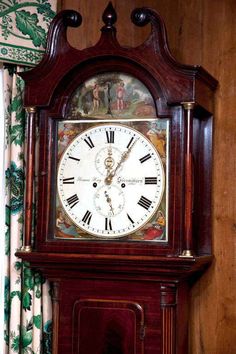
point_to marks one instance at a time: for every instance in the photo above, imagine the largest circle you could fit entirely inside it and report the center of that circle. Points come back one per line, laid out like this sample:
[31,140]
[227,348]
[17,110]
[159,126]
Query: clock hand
[123,158]
[108,199]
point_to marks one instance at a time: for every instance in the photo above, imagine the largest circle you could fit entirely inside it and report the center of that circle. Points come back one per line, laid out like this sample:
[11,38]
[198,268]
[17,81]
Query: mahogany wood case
[116,296]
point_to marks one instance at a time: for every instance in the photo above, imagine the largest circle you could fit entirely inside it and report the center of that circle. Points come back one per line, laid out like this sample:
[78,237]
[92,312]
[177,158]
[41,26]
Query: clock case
[144,270]
[48,89]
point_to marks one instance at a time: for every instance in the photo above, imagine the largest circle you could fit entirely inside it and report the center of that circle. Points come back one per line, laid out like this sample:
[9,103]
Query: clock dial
[110,180]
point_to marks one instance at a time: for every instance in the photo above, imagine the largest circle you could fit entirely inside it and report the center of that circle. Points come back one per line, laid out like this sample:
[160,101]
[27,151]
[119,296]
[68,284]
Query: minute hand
[124,157]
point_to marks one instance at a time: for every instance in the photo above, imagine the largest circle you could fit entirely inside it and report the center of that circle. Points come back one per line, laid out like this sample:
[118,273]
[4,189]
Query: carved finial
[109,16]
[140,17]
[72,18]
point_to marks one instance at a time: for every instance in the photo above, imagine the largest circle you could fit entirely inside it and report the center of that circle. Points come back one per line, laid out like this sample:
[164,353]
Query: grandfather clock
[124,188]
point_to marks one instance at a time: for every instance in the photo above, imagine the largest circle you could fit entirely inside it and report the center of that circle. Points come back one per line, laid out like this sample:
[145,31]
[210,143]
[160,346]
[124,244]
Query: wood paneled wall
[200,32]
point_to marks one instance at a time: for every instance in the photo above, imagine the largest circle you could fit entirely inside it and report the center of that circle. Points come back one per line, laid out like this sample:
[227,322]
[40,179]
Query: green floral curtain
[23,28]
[27,302]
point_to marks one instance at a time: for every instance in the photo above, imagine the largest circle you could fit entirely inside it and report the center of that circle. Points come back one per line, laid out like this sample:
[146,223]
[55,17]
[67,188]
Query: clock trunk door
[107,327]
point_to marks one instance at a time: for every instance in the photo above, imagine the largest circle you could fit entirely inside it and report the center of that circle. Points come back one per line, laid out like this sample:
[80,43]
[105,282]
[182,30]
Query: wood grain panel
[200,32]
[134,305]
[213,311]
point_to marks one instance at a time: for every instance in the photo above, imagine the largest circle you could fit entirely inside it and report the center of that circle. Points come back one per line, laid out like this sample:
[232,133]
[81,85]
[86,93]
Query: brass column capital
[188,105]
[31,109]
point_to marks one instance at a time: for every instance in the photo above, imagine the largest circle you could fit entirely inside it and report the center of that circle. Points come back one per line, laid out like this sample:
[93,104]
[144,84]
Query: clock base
[126,308]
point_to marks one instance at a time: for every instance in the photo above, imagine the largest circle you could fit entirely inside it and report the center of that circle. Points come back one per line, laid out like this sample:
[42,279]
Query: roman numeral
[73,200]
[87,217]
[145,158]
[88,141]
[150,180]
[130,142]
[110,136]
[144,202]
[130,219]
[74,158]
[70,180]
[108,224]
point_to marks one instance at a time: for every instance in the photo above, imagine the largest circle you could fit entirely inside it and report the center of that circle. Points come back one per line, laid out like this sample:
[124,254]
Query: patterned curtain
[27,307]
[23,29]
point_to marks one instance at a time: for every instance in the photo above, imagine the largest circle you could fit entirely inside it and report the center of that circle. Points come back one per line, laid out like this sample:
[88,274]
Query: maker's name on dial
[118,180]
[130,180]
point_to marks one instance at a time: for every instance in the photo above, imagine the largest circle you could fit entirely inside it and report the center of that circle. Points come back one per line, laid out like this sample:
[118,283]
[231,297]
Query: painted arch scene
[111,95]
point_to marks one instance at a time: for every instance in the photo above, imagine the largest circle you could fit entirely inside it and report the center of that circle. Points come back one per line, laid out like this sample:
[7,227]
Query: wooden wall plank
[200,32]
[213,316]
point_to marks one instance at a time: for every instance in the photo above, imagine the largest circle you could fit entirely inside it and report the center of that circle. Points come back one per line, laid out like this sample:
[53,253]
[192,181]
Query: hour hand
[123,158]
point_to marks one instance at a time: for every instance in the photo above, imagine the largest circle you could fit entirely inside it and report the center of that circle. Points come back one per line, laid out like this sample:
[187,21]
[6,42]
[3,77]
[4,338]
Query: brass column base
[186,254]
[26,249]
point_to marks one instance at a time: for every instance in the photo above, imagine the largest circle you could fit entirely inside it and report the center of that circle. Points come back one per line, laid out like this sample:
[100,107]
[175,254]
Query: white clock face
[110,180]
